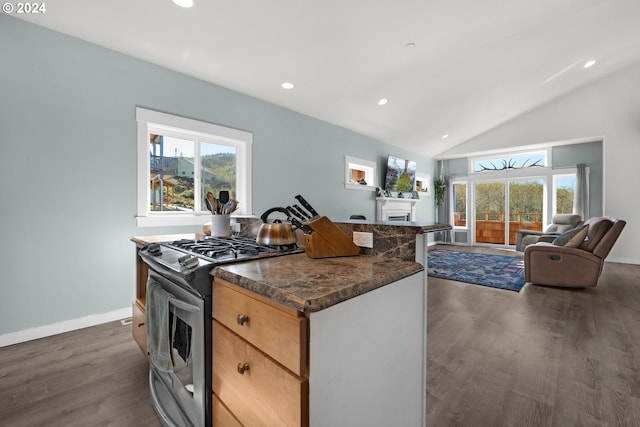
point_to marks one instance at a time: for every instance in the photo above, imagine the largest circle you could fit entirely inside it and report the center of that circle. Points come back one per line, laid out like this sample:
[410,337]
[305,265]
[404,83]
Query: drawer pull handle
[242,319]
[140,325]
[242,367]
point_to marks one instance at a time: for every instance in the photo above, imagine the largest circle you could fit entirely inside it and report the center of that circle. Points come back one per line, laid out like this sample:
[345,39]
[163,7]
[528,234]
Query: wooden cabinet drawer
[257,390]
[139,328]
[281,332]
[221,416]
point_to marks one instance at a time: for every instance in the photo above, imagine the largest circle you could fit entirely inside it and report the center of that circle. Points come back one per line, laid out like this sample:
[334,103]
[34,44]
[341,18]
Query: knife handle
[307,206]
[301,212]
[304,227]
[293,212]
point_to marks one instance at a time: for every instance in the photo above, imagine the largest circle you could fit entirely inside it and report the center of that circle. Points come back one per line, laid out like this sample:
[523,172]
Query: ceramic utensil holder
[327,240]
[220,226]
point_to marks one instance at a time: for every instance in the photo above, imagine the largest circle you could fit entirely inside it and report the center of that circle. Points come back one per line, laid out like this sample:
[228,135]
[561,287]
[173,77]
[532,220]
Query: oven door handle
[184,306]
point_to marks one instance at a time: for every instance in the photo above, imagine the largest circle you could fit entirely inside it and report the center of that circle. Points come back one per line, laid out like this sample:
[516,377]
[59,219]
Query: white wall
[609,108]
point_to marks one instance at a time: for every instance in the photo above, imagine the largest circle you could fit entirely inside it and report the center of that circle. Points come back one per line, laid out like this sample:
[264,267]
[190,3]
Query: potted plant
[439,186]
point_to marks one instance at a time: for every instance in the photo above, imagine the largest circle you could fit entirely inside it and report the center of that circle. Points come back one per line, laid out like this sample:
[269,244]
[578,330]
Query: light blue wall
[68,153]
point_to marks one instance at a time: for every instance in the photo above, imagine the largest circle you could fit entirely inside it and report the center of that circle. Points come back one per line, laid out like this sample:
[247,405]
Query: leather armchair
[580,267]
[559,224]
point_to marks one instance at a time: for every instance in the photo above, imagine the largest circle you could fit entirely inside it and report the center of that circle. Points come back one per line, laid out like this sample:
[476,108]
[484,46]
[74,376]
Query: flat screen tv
[401,175]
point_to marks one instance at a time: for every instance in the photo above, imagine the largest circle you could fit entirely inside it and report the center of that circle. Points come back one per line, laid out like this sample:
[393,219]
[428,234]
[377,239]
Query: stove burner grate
[228,248]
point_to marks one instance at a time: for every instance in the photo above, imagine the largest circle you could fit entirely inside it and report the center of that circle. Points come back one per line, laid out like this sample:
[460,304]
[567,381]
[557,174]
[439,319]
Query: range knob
[188,261]
[154,249]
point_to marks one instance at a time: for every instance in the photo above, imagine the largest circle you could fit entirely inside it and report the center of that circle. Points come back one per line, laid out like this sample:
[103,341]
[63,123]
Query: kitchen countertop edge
[311,285]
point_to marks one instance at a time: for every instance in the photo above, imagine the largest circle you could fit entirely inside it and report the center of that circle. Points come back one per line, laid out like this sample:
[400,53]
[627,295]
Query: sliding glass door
[526,206]
[490,197]
[504,206]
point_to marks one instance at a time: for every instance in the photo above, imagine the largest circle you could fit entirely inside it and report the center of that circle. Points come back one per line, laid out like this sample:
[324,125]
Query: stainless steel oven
[181,393]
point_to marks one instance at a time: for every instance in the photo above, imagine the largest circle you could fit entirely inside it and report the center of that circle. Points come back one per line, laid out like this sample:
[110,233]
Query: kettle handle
[265,215]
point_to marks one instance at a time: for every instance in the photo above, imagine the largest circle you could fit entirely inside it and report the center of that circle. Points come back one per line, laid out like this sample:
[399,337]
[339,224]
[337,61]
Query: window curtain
[447,207]
[581,196]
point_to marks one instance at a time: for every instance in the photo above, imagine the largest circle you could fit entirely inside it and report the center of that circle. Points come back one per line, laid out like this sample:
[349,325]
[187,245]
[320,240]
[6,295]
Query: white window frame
[546,172]
[148,120]
[369,169]
[559,173]
[425,178]
[454,181]
[546,153]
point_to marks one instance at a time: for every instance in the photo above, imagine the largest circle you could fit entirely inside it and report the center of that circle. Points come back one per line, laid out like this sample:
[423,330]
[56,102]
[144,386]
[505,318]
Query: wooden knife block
[327,240]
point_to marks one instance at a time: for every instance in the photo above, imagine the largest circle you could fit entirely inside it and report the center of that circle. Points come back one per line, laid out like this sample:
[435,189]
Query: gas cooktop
[188,254]
[229,249]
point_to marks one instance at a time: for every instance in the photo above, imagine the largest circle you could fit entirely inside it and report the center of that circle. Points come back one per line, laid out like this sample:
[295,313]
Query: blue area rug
[497,271]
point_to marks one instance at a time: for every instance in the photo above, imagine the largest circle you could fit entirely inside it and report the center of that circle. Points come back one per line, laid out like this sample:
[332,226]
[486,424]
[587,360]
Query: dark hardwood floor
[541,357]
[90,377]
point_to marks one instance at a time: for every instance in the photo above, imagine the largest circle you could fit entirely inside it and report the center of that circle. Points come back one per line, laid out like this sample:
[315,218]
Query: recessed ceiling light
[410,45]
[445,136]
[383,101]
[184,3]
[287,85]
[589,64]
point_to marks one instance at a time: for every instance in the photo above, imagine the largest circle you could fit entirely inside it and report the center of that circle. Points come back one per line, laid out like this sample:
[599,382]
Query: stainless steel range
[178,318]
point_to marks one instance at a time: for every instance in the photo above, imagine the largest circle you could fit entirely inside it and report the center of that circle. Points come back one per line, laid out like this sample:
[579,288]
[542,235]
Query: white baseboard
[61,327]
[623,260]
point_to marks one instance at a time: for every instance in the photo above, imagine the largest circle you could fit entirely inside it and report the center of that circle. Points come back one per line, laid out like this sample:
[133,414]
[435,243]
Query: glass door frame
[474,215]
[506,177]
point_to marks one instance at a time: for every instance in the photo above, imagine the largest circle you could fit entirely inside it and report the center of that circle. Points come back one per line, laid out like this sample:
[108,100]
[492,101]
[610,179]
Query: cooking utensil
[301,212]
[212,203]
[233,206]
[276,233]
[307,206]
[223,199]
[223,196]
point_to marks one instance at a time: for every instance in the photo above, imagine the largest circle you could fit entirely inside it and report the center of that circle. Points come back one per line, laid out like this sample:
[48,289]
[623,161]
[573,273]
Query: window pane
[171,174]
[218,164]
[490,212]
[460,209]
[173,178]
[565,186]
[525,206]
[515,162]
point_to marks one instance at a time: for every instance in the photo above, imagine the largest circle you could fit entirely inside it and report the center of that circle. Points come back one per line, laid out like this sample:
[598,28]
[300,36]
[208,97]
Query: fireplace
[395,209]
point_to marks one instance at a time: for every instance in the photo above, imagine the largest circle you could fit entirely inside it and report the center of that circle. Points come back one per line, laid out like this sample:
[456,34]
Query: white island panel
[368,359]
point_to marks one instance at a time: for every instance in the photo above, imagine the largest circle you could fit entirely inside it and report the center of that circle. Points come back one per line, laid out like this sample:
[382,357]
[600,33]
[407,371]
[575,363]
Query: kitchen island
[320,342]
[397,239]
[356,327]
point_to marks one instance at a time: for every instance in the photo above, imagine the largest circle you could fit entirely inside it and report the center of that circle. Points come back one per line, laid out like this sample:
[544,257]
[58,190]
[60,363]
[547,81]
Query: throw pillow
[577,240]
[565,237]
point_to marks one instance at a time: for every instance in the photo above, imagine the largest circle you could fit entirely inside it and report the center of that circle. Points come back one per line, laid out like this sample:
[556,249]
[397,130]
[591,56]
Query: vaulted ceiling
[446,67]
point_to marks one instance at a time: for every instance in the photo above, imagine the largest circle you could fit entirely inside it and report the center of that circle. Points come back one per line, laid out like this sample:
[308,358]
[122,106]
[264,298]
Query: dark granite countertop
[309,284]
[426,227]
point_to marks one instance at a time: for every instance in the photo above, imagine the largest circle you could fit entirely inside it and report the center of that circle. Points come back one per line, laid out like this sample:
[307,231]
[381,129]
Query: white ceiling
[475,64]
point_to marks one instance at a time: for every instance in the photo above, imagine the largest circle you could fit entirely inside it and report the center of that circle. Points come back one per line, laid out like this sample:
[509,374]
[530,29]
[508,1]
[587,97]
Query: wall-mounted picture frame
[423,184]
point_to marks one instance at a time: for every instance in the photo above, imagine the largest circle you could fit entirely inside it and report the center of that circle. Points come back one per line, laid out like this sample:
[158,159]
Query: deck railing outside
[490,225]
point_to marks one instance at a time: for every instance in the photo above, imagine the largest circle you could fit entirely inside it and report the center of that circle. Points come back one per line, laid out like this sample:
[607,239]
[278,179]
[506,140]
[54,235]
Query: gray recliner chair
[559,224]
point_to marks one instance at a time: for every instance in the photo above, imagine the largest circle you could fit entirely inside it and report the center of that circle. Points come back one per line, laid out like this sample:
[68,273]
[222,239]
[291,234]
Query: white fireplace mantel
[395,209]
